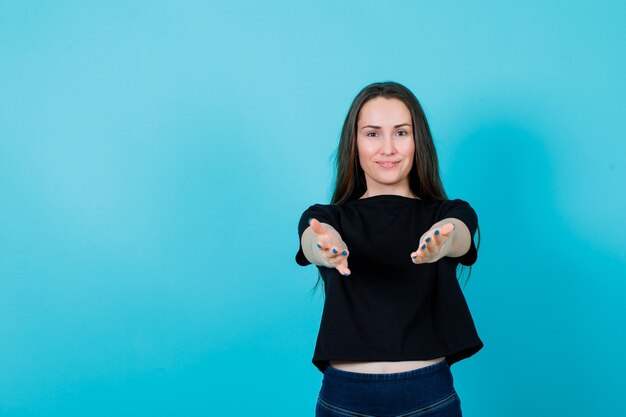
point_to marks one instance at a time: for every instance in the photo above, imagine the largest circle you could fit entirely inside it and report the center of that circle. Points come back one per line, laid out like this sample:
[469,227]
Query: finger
[327,249]
[322,245]
[316,226]
[433,236]
[338,250]
[444,230]
[417,257]
[330,253]
[335,259]
[431,239]
[423,252]
[342,267]
[327,246]
[436,237]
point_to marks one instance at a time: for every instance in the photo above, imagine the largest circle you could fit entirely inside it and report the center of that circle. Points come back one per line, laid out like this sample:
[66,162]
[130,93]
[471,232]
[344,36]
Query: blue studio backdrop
[155,158]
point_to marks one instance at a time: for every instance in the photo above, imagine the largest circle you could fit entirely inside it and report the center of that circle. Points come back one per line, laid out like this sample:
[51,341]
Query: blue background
[155,158]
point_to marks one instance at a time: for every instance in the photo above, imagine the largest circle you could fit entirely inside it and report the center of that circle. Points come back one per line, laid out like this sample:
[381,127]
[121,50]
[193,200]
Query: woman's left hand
[434,244]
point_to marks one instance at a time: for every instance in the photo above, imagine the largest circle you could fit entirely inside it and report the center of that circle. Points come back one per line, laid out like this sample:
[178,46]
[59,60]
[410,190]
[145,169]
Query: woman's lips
[388,164]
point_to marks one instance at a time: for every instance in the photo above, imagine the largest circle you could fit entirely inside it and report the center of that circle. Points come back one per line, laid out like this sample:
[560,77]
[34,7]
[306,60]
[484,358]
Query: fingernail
[414,256]
[334,250]
[309,221]
[345,274]
[428,239]
[436,232]
[318,245]
[344,253]
[423,246]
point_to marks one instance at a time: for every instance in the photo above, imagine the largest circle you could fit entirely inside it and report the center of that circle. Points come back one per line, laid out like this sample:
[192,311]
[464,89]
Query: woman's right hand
[331,249]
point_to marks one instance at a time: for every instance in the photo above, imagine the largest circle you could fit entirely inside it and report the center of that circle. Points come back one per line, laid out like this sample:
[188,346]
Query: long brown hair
[424,179]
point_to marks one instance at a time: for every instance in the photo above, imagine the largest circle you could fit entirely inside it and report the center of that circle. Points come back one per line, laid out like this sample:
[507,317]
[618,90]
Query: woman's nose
[387,146]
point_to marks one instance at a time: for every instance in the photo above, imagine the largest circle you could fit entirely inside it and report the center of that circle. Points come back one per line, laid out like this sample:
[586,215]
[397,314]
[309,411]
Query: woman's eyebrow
[378,127]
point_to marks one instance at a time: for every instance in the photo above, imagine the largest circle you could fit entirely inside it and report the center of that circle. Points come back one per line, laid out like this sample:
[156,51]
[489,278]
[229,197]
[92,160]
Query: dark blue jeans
[427,391]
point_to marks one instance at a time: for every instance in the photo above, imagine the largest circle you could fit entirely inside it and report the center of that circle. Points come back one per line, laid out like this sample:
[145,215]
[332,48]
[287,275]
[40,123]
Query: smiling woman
[394,319]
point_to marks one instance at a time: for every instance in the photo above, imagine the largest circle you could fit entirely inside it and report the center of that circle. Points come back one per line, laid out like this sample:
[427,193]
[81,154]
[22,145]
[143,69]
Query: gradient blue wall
[155,158]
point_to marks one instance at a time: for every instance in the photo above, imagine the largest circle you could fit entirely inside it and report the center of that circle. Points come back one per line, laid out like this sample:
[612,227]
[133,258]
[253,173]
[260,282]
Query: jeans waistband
[415,373]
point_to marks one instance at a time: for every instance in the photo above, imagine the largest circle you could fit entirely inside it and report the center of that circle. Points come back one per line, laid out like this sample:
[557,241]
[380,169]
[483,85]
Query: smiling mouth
[388,164]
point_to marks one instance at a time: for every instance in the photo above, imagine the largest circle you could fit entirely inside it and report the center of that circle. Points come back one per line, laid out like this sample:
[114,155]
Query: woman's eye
[403,131]
[368,133]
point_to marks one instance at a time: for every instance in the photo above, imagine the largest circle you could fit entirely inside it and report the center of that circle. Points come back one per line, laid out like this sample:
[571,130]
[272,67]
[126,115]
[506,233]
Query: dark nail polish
[436,232]
[318,245]
[334,250]
[423,246]
[344,253]
[428,239]
[413,256]
[309,221]
[345,274]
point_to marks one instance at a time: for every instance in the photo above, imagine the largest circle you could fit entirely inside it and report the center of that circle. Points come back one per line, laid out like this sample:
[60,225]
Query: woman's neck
[403,193]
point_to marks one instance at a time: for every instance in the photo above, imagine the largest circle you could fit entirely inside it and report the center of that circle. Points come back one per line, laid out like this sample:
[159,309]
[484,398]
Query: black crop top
[388,308]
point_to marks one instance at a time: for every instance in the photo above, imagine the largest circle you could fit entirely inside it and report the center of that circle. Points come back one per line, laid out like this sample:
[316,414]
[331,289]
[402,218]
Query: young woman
[387,249]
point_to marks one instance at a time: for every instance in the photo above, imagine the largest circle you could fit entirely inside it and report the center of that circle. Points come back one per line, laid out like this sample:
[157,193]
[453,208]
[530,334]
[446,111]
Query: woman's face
[385,144]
